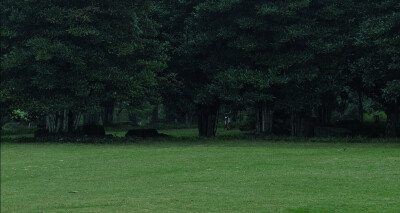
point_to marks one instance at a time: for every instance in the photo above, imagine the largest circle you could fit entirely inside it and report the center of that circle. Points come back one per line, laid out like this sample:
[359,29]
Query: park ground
[187,174]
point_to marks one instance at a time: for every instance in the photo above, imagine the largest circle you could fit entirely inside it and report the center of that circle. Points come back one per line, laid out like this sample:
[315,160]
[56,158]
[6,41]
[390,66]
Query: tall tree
[69,57]
[379,33]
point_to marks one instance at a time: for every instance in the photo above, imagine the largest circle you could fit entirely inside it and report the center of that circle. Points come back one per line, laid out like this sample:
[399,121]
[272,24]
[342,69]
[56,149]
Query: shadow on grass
[248,139]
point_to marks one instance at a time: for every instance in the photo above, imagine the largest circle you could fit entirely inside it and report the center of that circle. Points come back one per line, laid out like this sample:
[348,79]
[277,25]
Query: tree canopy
[302,59]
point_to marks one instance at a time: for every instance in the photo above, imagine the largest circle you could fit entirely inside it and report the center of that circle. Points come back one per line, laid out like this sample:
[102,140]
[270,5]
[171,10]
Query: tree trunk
[62,124]
[269,120]
[264,117]
[360,107]
[240,116]
[344,96]
[207,119]
[293,122]
[51,123]
[257,119]
[41,123]
[107,113]
[77,120]
[70,125]
[73,121]
[328,99]
[91,119]
[323,115]
[187,118]
[118,114]
[301,125]
[133,118]
[154,115]
[59,121]
[393,120]
[62,121]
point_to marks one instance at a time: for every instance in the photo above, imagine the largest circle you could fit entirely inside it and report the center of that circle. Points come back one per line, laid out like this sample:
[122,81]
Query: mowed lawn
[200,176]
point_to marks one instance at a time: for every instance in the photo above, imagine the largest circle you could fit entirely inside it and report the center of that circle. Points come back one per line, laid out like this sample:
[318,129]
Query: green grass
[207,175]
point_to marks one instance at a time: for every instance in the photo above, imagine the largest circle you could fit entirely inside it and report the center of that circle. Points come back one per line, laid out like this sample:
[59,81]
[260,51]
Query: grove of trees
[300,59]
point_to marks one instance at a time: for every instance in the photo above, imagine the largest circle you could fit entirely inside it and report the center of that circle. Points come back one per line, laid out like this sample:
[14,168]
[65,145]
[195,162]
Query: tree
[380,33]
[69,57]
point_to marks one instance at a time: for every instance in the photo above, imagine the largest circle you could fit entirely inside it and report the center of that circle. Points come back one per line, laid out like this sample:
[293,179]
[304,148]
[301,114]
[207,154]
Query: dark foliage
[94,130]
[144,133]
[294,64]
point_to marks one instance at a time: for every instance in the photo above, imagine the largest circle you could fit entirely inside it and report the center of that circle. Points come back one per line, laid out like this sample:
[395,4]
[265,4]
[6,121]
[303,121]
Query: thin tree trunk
[91,119]
[118,114]
[263,115]
[257,119]
[51,121]
[70,125]
[41,124]
[154,116]
[393,120]
[269,111]
[207,119]
[48,124]
[107,113]
[301,125]
[324,115]
[186,118]
[59,121]
[73,121]
[65,121]
[77,120]
[293,120]
[235,116]
[133,119]
[360,107]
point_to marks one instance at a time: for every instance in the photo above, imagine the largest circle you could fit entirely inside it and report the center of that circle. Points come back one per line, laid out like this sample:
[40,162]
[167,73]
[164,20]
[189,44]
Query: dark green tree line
[62,59]
[303,59]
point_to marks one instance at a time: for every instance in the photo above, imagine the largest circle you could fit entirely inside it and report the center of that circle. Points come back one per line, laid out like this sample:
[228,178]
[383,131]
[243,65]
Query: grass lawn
[200,176]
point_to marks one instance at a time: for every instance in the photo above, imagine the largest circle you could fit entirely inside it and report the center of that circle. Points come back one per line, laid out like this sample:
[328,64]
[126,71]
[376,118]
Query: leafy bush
[19,115]
[369,117]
